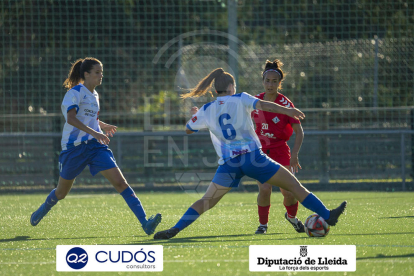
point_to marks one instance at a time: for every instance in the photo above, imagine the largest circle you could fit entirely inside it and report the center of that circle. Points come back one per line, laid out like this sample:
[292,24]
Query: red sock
[263,214]
[292,210]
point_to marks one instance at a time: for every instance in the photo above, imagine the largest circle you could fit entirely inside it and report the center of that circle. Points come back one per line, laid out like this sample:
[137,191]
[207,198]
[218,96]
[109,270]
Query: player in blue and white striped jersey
[231,128]
[86,105]
[84,143]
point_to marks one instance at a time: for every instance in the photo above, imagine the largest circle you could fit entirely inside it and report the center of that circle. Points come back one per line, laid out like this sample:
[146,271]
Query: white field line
[205,246]
[409,260]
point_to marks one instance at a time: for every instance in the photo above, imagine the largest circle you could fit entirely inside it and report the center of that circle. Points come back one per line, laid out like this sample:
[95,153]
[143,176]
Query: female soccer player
[231,128]
[84,143]
[274,130]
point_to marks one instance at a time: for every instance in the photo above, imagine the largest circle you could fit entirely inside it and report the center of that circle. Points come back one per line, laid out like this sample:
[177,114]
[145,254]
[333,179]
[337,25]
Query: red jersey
[274,129]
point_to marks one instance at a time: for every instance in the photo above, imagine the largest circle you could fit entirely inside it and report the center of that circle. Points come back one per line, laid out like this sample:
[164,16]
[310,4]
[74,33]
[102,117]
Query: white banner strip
[311,258]
[133,258]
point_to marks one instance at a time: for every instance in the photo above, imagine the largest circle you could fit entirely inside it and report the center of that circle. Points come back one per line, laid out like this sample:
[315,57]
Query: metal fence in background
[348,64]
[337,54]
[160,160]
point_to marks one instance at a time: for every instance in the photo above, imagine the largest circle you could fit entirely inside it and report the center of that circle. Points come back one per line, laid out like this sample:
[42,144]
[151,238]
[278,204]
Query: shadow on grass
[27,238]
[397,217]
[376,234]
[218,239]
[382,256]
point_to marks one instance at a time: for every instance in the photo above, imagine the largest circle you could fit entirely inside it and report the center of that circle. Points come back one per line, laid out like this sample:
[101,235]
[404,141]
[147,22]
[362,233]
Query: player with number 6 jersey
[231,128]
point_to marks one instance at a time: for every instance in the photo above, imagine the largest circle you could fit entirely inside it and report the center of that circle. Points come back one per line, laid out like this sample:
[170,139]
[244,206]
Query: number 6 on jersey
[226,127]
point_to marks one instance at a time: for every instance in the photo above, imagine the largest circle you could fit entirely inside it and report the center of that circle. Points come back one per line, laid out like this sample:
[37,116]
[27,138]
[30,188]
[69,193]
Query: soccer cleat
[152,223]
[38,215]
[335,213]
[166,234]
[299,227]
[261,229]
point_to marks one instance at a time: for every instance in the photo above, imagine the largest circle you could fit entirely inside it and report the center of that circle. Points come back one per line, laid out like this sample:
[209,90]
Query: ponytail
[77,71]
[221,81]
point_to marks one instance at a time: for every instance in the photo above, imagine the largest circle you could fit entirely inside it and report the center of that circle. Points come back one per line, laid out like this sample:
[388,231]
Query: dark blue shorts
[254,164]
[97,156]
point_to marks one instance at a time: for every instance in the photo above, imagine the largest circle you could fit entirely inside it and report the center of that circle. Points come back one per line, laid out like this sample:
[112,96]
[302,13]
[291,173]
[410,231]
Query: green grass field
[379,224]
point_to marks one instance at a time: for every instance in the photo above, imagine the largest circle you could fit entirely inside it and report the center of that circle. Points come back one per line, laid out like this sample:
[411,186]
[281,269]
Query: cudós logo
[77,258]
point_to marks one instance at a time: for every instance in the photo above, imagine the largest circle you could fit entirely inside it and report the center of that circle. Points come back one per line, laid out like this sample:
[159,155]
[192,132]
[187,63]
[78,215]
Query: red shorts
[280,154]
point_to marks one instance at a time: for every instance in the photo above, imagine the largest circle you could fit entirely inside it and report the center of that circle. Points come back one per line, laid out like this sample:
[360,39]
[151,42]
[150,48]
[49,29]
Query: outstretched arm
[193,111]
[275,108]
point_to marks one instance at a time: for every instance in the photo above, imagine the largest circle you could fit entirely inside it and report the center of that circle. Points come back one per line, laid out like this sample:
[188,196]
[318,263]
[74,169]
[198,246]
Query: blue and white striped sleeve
[71,100]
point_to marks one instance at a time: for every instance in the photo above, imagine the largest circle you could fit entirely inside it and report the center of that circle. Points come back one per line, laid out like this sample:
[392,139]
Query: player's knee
[265,189]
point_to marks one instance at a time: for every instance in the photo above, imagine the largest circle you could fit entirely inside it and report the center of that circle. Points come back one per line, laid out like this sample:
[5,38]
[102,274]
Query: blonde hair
[221,81]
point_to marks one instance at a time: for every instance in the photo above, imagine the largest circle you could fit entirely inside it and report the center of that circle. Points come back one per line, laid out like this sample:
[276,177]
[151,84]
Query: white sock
[263,224]
[294,220]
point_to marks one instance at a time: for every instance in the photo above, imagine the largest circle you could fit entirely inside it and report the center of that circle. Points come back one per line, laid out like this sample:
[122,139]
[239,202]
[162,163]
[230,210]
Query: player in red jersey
[274,130]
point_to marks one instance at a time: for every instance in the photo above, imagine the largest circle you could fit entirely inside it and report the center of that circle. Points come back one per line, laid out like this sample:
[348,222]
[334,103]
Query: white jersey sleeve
[249,101]
[198,121]
[70,101]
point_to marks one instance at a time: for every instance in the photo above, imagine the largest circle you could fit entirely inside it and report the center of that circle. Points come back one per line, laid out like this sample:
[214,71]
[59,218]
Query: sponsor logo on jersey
[239,152]
[194,119]
[267,134]
[276,120]
[221,102]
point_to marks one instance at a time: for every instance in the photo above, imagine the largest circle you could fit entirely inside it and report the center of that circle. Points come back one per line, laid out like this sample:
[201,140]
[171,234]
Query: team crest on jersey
[276,120]
[221,102]
[194,119]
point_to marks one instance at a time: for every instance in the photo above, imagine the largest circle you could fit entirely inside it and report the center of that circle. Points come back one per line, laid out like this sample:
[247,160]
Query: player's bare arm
[294,159]
[275,108]
[108,129]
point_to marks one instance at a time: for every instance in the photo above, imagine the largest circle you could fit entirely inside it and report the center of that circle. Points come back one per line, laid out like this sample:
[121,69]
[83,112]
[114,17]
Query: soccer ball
[316,226]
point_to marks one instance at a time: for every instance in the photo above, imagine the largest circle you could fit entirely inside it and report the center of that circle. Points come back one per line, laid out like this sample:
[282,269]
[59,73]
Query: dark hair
[274,66]
[221,81]
[78,69]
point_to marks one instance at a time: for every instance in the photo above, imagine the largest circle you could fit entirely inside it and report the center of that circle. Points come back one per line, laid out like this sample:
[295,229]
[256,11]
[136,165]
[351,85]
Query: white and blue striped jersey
[87,111]
[231,128]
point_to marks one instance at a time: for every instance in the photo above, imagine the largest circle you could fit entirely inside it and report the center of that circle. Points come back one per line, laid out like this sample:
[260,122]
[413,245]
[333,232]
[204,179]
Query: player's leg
[263,206]
[287,181]
[54,196]
[117,179]
[292,205]
[71,164]
[214,193]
